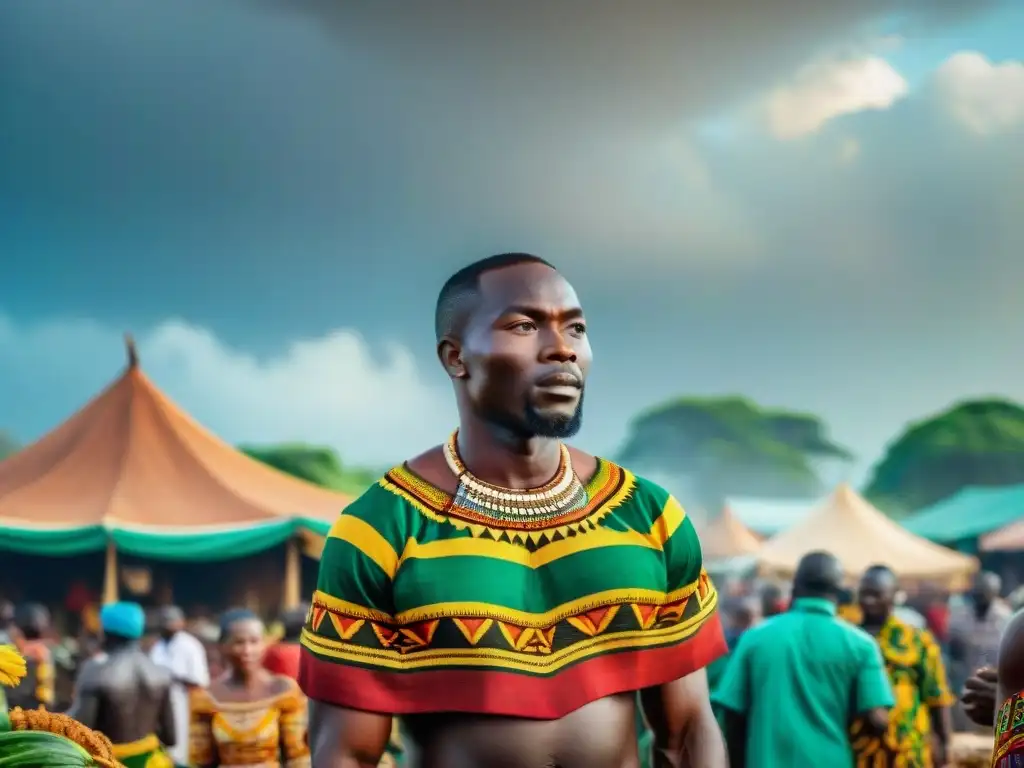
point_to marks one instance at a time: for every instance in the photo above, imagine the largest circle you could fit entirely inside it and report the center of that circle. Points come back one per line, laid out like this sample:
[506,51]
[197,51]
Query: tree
[318,465]
[975,442]
[8,445]
[728,446]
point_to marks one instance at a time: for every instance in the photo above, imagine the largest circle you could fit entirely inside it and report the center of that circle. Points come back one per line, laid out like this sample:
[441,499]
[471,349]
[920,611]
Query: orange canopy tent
[131,471]
[853,530]
[726,537]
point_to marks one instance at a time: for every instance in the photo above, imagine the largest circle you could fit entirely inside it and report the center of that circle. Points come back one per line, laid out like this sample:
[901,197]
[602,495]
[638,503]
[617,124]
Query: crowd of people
[809,675]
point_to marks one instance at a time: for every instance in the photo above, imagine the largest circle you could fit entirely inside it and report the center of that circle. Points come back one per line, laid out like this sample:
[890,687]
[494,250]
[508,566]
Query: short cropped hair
[455,300]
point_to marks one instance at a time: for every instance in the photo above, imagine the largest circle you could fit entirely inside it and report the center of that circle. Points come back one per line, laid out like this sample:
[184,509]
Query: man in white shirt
[184,656]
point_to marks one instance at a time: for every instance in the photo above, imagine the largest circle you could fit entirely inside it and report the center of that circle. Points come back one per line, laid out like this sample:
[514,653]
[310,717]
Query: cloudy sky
[814,206]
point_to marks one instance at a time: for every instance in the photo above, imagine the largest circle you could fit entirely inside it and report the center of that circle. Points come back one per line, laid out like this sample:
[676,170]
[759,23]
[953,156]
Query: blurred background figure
[976,625]
[123,694]
[919,723]
[185,658]
[32,629]
[248,693]
[797,680]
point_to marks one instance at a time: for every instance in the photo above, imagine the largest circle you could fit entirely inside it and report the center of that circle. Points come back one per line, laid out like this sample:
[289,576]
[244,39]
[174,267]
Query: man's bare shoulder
[432,467]
[584,464]
[1011,655]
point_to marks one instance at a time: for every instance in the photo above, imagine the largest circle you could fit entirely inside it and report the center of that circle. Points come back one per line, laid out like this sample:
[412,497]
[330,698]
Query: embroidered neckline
[610,486]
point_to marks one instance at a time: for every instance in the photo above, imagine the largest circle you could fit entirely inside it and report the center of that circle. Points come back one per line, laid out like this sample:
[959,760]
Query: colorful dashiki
[144,753]
[270,733]
[914,662]
[425,605]
[1009,746]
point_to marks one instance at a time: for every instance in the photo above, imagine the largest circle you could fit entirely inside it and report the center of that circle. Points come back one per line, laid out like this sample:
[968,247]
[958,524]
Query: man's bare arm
[686,734]
[346,738]
[1010,671]
[85,706]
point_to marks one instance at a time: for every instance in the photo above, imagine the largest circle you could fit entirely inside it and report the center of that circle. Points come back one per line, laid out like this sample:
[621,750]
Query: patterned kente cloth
[269,733]
[425,606]
[144,753]
[1009,747]
[914,662]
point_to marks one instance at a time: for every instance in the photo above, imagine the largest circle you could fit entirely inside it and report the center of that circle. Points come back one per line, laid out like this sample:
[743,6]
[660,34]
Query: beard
[532,423]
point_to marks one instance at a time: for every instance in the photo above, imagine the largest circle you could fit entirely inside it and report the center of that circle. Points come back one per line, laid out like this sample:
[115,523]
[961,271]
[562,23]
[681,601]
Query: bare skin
[125,695]
[526,330]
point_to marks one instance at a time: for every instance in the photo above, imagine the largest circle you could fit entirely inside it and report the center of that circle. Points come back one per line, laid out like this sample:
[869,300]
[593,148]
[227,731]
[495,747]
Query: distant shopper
[796,681]
[183,655]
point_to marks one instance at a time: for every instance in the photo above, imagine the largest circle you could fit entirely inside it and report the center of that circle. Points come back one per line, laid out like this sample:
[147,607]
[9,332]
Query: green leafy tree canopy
[975,442]
[315,464]
[729,446]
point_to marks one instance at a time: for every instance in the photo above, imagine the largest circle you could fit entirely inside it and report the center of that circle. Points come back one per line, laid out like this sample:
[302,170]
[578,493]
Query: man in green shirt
[796,682]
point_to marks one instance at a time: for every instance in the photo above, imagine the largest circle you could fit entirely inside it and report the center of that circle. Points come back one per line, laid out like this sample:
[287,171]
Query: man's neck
[498,457]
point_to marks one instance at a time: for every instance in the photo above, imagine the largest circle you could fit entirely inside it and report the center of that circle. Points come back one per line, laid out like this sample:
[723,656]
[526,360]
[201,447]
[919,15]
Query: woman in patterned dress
[248,716]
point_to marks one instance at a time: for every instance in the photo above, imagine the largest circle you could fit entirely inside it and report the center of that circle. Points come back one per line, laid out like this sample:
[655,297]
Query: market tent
[849,527]
[131,472]
[725,537]
[969,513]
[1008,539]
[769,517]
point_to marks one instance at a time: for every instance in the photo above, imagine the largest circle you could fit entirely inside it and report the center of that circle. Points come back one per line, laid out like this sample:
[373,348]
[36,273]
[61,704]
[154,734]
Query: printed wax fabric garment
[913,661]
[1009,734]
[423,605]
[269,733]
[36,689]
[144,753]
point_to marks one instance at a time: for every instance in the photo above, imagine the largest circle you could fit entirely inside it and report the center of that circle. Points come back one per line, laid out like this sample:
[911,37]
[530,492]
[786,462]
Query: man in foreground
[920,722]
[796,681]
[124,695]
[505,595]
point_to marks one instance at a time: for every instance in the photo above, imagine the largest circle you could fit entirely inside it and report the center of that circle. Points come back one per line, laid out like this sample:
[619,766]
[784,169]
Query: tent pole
[292,597]
[110,584]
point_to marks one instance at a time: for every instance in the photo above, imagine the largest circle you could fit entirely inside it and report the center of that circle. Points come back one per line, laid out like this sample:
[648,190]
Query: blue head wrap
[123,619]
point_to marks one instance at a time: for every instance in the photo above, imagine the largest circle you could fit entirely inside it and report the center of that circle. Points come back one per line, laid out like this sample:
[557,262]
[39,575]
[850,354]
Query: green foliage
[728,446]
[317,465]
[974,443]
[8,445]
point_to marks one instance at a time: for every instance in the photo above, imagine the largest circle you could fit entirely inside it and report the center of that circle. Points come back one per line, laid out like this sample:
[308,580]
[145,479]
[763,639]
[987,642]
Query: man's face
[525,353]
[875,597]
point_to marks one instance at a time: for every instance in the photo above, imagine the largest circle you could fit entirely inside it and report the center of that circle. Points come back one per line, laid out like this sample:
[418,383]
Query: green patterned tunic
[425,606]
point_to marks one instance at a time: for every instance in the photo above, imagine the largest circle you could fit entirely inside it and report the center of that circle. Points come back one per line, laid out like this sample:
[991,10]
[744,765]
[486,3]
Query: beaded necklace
[564,493]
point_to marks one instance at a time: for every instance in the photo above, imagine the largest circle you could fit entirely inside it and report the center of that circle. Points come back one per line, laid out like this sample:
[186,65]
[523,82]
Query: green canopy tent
[968,515]
[133,474]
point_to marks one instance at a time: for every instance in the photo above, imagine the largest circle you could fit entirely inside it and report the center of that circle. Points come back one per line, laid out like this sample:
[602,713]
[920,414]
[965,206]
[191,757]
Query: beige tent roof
[846,525]
[725,536]
[132,457]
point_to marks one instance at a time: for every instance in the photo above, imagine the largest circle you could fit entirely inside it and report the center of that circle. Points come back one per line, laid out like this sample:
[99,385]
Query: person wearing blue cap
[125,695]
